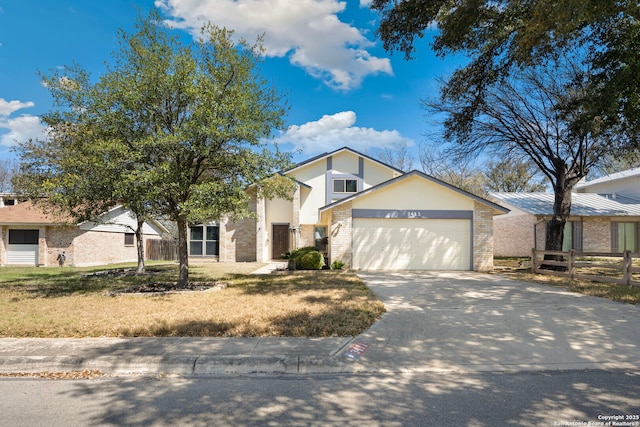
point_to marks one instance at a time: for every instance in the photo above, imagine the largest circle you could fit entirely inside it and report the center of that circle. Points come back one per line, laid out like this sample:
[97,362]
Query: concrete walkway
[434,322]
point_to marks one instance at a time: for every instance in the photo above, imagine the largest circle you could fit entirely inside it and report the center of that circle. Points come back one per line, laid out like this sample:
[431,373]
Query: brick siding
[482,237]
[341,230]
[513,235]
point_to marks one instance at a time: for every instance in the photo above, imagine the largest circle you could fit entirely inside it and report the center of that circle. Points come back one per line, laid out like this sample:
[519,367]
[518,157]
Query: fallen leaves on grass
[85,374]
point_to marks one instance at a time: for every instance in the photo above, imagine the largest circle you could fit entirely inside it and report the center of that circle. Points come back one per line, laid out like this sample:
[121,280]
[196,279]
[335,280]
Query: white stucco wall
[314,175]
[375,173]
[414,192]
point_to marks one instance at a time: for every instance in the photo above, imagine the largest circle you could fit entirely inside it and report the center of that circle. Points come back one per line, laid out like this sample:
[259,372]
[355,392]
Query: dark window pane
[351,186]
[128,239]
[213,232]
[23,237]
[195,248]
[197,233]
[338,185]
[213,248]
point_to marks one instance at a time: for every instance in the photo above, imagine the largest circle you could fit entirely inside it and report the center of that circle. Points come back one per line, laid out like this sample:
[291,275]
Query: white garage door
[22,254]
[411,244]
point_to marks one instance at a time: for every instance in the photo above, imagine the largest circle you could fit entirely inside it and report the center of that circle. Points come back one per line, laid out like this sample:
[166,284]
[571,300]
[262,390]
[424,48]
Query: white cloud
[18,129]
[308,32]
[335,131]
[8,107]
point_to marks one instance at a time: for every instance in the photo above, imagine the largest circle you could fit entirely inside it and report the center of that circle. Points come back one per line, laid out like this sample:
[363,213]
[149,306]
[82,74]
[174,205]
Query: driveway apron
[466,321]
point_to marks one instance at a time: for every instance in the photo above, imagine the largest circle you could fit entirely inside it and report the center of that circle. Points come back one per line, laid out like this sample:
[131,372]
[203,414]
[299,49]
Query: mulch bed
[170,287]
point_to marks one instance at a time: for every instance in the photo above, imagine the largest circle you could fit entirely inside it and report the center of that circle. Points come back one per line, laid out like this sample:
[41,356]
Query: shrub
[307,258]
[337,265]
[312,260]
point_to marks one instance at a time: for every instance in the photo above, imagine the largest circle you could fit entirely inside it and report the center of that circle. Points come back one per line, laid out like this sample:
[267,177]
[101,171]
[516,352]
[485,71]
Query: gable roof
[479,199]
[28,213]
[325,155]
[582,204]
[630,173]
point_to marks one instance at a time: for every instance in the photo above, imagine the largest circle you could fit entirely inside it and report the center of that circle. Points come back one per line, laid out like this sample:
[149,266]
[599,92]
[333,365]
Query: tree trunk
[140,245]
[555,227]
[183,254]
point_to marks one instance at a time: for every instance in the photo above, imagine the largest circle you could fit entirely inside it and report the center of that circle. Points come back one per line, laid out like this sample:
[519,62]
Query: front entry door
[279,240]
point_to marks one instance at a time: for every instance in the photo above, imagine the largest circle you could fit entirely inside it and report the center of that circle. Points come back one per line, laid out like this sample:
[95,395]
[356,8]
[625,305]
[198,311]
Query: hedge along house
[364,213]
[31,237]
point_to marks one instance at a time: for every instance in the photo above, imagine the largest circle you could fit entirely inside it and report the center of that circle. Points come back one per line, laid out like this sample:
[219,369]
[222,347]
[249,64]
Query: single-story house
[29,236]
[365,213]
[598,223]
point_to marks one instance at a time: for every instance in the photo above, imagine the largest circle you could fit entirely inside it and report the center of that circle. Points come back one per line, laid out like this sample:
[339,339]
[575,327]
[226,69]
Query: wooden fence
[161,250]
[598,266]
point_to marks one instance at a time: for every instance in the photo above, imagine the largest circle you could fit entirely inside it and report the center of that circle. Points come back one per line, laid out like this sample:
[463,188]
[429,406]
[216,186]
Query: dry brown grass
[64,303]
[519,269]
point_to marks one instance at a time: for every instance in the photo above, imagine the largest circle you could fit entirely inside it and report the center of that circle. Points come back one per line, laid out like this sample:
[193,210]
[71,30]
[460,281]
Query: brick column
[340,234]
[296,217]
[482,237]
[42,246]
[4,235]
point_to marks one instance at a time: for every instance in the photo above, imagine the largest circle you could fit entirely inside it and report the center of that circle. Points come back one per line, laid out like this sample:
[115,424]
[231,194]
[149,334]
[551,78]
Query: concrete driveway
[466,321]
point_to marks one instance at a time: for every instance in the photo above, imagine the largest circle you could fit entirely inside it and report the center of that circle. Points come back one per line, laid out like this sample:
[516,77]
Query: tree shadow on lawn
[53,282]
[333,322]
[287,284]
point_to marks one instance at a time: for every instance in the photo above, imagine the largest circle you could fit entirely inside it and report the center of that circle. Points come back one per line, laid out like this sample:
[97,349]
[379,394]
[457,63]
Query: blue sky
[342,87]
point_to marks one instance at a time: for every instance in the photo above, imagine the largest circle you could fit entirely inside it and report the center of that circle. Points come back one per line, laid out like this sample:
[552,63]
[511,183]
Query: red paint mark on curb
[356,350]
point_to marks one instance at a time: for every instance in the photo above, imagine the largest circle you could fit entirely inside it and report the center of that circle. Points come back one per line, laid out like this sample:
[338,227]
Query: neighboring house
[625,182]
[598,223]
[29,236]
[364,213]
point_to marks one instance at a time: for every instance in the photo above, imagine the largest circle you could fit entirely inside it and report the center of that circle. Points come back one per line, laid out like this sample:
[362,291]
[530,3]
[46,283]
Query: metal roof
[582,204]
[608,178]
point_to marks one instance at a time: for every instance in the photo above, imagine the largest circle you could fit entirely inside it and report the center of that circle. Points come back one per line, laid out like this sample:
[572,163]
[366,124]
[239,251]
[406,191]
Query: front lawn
[74,302]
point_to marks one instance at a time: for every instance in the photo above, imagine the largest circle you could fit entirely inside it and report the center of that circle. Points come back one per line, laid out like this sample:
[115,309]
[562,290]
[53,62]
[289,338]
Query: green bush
[312,260]
[337,265]
[307,258]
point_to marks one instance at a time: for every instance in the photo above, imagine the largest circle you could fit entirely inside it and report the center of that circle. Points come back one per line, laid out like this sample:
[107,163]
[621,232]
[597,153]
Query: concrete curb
[182,365]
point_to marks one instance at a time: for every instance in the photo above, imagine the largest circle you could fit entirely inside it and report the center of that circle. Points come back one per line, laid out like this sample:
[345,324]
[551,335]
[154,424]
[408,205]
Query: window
[23,237]
[128,239]
[321,240]
[345,185]
[204,240]
[572,236]
[624,236]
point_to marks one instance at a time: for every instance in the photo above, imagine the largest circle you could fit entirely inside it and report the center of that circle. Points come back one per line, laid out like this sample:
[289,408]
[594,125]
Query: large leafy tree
[500,36]
[567,129]
[523,117]
[173,129]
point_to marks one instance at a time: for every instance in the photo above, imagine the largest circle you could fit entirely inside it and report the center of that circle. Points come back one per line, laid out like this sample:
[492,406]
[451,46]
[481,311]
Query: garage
[412,222]
[22,248]
[412,244]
